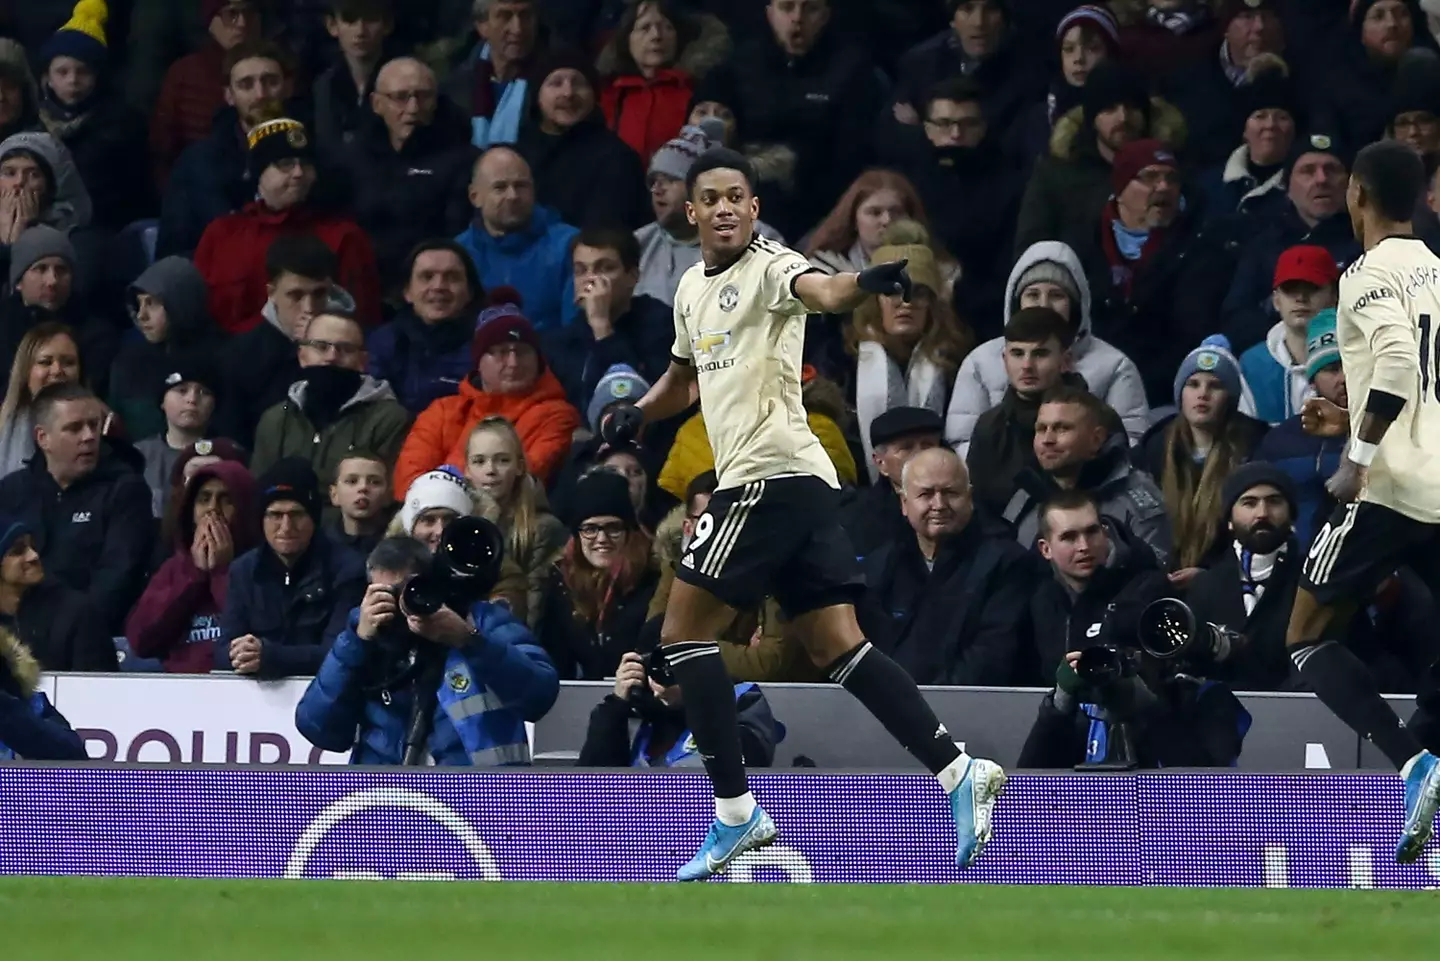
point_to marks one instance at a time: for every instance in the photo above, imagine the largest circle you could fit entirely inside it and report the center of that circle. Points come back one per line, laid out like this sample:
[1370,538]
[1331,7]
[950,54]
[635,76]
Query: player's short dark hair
[1079,396]
[1393,177]
[720,158]
[49,398]
[398,555]
[623,242]
[304,255]
[1065,500]
[955,89]
[1035,325]
[705,483]
[258,49]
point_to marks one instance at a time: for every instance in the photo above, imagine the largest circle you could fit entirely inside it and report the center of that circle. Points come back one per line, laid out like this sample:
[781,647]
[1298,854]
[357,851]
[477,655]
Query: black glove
[622,425]
[887,279]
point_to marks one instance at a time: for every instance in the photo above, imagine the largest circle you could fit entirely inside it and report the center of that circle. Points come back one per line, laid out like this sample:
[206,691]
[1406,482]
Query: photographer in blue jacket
[398,686]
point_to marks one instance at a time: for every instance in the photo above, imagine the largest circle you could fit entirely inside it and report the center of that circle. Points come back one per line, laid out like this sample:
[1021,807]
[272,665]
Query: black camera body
[464,570]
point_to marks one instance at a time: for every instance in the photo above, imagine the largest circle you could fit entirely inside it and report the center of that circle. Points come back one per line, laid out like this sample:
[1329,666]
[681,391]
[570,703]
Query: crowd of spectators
[287,279]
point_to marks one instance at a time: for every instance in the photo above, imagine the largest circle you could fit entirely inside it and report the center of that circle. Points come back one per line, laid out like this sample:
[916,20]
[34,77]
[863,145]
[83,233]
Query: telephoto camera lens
[1167,628]
[423,594]
[1099,665]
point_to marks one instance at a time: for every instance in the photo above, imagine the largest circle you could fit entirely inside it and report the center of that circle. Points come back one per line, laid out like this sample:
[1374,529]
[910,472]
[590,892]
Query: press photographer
[646,691]
[1129,689]
[411,678]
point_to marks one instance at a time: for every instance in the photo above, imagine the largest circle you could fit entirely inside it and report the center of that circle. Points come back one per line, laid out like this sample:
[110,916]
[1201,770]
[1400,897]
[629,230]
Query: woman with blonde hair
[907,352]
[855,228]
[598,593]
[534,537]
[48,354]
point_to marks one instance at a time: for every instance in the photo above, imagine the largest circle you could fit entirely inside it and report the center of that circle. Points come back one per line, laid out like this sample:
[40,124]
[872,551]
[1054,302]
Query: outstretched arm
[842,293]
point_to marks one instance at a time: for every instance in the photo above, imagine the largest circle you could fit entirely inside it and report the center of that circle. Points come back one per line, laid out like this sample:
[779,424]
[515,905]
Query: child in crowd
[1306,282]
[361,492]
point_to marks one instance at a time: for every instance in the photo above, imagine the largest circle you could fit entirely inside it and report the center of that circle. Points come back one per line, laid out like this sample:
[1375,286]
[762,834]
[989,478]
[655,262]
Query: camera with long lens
[463,571]
[657,669]
[1169,631]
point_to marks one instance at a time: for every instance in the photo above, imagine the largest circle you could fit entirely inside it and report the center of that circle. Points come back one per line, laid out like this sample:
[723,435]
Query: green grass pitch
[59,919]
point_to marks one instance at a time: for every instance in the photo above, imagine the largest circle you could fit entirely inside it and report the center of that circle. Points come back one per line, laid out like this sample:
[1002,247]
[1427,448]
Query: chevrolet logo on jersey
[710,341]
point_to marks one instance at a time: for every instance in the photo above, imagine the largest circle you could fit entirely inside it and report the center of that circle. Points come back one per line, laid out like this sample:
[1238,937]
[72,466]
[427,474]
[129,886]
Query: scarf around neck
[881,385]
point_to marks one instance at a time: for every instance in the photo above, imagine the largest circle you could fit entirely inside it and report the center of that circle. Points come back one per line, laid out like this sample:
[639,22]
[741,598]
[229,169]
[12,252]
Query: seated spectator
[490,87]
[654,57]
[53,621]
[211,178]
[409,166]
[970,191]
[670,245]
[232,252]
[874,516]
[534,537]
[361,495]
[167,306]
[31,729]
[597,595]
[343,92]
[1316,177]
[178,618]
[1414,111]
[1170,37]
[1212,93]
[424,353]
[1101,582]
[639,467]
[301,271]
[19,94]
[1251,587]
[187,405]
[907,350]
[1192,452]
[43,290]
[1085,36]
[1070,184]
[1076,451]
[1306,282]
[615,325]
[1048,275]
[510,379]
[663,738]
[1360,74]
[690,454]
[46,355]
[334,407]
[1252,178]
[1038,358]
[582,169]
[956,594]
[809,96]
[289,597]
[1308,460]
[490,674]
[855,228]
[515,243]
[81,104]
[40,187]
[194,88]
[202,453]
[89,511]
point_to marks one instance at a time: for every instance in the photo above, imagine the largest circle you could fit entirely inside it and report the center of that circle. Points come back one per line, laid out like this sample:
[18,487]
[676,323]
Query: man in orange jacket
[510,380]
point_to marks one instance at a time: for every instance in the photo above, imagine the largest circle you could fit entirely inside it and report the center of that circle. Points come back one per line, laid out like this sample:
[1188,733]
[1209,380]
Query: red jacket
[177,619]
[647,113]
[192,93]
[231,258]
[543,418]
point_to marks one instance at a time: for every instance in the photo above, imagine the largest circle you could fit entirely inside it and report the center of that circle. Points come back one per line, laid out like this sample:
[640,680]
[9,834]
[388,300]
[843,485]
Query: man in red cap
[510,380]
[1306,282]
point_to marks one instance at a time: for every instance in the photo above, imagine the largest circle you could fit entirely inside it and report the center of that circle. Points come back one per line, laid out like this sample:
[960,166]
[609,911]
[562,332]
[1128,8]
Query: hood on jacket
[15,62]
[24,669]
[370,390]
[241,485]
[1058,253]
[669,535]
[1167,124]
[180,286]
[70,207]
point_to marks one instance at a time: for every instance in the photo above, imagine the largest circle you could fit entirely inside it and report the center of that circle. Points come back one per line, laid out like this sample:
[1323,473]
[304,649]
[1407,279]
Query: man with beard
[1252,588]
[955,592]
[1316,177]
[969,191]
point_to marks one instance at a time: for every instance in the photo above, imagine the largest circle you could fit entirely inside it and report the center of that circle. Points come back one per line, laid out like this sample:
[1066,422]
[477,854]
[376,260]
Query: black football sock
[1341,681]
[710,712]
[890,694]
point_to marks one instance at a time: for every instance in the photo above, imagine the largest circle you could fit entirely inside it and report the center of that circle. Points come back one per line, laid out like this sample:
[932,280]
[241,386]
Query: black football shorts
[1361,545]
[780,538]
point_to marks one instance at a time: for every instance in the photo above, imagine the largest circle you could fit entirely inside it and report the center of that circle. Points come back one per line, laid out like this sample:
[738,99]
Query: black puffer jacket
[583,651]
[588,174]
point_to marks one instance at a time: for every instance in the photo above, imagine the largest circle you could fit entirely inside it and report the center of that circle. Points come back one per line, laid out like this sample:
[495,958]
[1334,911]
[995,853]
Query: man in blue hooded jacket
[491,677]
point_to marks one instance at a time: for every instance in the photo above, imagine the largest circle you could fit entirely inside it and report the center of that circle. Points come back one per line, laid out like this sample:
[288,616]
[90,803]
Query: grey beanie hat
[1048,272]
[37,243]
